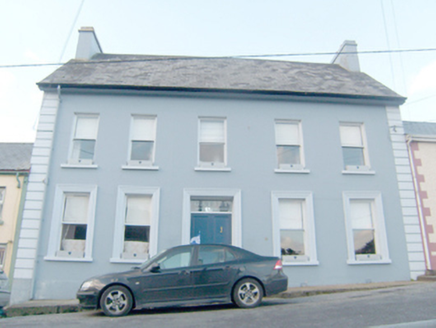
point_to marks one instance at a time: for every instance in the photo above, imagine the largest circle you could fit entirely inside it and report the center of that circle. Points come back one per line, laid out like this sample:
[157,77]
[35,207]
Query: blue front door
[212,228]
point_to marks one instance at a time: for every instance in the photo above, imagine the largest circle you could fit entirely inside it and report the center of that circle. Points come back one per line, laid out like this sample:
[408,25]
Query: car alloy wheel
[116,301]
[247,293]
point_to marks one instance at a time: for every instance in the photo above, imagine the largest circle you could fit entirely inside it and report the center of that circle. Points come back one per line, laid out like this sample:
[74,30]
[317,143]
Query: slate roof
[419,128]
[217,74]
[15,156]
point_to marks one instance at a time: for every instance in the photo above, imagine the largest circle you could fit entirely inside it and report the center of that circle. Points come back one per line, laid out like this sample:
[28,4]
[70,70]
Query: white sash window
[212,142]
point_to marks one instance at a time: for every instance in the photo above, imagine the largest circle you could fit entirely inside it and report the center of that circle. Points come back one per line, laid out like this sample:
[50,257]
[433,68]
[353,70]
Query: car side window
[176,259]
[229,256]
[212,254]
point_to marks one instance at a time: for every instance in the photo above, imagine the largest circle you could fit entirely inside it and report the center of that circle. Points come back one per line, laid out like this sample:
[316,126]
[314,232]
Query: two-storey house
[137,153]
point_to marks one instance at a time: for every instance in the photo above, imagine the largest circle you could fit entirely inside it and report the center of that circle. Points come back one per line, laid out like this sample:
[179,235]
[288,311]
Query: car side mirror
[155,267]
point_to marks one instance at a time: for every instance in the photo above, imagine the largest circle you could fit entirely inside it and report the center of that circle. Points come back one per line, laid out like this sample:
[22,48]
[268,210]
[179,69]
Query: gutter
[382,99]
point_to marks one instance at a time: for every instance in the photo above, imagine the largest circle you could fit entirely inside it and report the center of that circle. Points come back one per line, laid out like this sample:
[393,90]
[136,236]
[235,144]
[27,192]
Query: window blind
[291,214]
[351,136]
[287,134]
[86,127]
[143,128]
[212,131]
[76,208]
[138,209]
[361,214]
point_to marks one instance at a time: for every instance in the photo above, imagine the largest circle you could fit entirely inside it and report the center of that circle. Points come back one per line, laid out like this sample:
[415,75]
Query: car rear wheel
[247,293]
[116,301]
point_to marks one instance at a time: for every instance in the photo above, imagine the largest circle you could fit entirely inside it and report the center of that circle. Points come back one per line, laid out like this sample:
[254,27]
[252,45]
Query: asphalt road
[408,306]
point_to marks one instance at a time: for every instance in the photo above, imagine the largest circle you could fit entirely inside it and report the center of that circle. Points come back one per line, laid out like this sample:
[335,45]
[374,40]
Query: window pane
[229,256]
[83,149]
[142,151]
[351,135]
[361,214]
[2,197]
[86,128]
[353,156]
[292,242]
[287,134]
[74,231]
[2,255]
[288,154]
[212,153]
[204,205]
[212,131]
[364,242]
[76,208]
[175,260]
[137,233]
[143,128]
[291,213]
[138,209]
[73,238]
[209,255]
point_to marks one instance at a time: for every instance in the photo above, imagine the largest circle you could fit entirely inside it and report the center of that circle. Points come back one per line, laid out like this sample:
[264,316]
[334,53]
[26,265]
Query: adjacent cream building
[14,172]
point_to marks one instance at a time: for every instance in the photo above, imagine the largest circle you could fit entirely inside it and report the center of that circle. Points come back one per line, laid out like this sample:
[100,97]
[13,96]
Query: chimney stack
[88,44]
[347,57]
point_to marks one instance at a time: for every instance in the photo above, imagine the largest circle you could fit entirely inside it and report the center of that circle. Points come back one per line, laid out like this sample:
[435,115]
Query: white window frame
[118,240]
[235,194]
[382,251]
[84,162]
[356,169]
[211,166]
[56,222]
[291,168]
[310,257]
[2,202]
[141,164]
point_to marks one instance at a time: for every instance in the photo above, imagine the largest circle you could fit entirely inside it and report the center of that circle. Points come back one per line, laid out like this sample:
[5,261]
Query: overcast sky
[45,31]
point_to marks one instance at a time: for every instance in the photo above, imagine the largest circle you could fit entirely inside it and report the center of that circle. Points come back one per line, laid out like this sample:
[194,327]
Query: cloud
[425,80]
[33,56]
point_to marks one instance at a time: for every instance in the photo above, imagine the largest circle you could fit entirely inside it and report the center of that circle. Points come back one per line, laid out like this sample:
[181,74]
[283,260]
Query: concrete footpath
[36,307]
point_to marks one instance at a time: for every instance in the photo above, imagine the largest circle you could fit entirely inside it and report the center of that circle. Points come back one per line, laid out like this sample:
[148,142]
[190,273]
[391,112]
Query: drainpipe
[419,203]
[17,176]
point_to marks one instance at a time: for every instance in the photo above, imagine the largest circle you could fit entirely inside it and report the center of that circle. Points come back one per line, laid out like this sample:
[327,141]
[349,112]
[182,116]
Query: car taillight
[278,265]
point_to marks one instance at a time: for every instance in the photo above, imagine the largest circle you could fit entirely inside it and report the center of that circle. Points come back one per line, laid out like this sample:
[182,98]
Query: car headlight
[87,285]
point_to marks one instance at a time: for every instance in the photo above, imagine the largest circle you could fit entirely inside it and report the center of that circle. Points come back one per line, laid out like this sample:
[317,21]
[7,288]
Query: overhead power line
[174,57]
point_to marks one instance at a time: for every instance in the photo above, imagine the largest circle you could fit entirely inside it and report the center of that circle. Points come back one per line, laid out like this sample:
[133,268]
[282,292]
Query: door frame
[235,194]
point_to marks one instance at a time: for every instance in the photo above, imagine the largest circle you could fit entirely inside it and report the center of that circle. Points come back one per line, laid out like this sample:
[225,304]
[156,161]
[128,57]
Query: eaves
[301,96]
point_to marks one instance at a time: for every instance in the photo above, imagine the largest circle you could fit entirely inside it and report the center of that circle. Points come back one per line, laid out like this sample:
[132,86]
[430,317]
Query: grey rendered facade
[249,99]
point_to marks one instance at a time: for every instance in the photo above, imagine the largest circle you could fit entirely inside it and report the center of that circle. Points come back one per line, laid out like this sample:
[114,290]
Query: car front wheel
[116,301]
[247,293]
